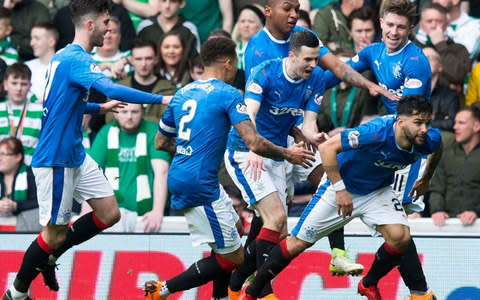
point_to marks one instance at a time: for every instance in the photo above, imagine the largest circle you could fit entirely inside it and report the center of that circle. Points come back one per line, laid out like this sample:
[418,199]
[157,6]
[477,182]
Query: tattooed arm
[347,74]
[165,143]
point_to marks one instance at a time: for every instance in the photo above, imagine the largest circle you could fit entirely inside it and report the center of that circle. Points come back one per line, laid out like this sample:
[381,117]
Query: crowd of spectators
[153,45]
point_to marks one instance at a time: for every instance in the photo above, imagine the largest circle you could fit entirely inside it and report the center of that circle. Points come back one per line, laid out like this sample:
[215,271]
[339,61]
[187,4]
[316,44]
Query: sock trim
[392,251]
[225,264]
[269,235]
[284,250]
[45,247]
[99,222]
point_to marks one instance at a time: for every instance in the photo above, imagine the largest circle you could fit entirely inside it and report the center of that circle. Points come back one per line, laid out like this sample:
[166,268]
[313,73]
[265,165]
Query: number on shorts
[183,131]
[396,203]
[398,182]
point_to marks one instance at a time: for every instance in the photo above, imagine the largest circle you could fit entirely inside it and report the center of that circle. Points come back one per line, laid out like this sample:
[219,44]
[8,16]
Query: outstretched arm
[347,74]
[123,93]
[258,144]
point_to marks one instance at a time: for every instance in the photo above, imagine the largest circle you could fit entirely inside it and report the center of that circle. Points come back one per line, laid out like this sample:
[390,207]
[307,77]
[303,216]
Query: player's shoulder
[414,55]
[258,38]
[267,68]
[380,125]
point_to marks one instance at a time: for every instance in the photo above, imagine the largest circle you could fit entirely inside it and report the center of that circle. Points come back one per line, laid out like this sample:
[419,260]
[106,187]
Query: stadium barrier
[114,266]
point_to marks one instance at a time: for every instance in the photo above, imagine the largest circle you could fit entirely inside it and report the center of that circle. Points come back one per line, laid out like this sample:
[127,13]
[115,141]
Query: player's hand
[152,221]
[7,205]
[255,164]
[166,99]
[118,69]
[467,217]
[376,90]
[439,218]
[320,138]
[299,155]
[112,106]
[420,187]
[344,204]
[298,137]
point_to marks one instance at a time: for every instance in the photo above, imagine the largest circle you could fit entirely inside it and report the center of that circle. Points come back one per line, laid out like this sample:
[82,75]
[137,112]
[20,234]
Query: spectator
[250,21]
[144,59]
[362,27]
[168,20]
[344,105]
[473,88]
[462,28]
[196,67]
[63,21]
[8,51]
[113,62]
[330,23]
[173,64]
[25,14]
[455,189]
[125,149]
[304,19]
[432,31]
[208,15]
[18,117]
[445,102]
[18,192]
[43,39]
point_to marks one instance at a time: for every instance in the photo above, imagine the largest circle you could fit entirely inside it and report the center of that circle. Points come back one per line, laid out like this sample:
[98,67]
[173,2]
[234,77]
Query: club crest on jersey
[254,88]
[241,108]
[396,70]
[318,99]
[353,138]
[308,93]
[413,83]
[95,69]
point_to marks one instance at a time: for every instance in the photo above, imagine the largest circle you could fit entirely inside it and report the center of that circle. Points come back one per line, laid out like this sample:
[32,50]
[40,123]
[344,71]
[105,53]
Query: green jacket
[331,26]
[455,186]
[153,112]
[24,16]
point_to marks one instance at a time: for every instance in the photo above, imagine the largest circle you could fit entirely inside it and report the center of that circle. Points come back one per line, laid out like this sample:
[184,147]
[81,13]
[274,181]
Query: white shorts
[214,224]
[57,187]
[320,217]
[272,180]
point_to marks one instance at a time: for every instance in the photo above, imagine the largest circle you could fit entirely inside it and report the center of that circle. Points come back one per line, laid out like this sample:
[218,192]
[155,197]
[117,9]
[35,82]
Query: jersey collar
[274,39]
[284,70]
[398,51]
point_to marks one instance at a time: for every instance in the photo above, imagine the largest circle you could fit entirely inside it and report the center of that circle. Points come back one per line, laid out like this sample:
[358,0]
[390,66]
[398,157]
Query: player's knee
[114,216]
[400,239]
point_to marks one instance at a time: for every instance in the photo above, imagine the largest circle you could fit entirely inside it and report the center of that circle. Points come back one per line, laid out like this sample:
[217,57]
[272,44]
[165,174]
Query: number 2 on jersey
[183,130]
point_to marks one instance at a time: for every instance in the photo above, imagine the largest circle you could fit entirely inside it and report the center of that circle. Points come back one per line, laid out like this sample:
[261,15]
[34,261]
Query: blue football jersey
[404,72]
[200,116]
[282,101]
[264,46]
[71,73]
[371,155]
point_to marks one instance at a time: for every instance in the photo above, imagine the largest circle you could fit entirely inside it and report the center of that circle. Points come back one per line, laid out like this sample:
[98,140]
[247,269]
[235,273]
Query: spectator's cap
[255,10]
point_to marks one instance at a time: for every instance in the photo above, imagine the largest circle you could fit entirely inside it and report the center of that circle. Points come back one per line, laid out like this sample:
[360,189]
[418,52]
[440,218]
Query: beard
[97,39]
[412,137]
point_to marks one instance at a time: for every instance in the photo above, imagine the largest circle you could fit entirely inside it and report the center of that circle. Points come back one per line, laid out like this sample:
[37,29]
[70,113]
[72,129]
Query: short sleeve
[366,134]
[315,100]
[418,77]
[257,83]
[236,108]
